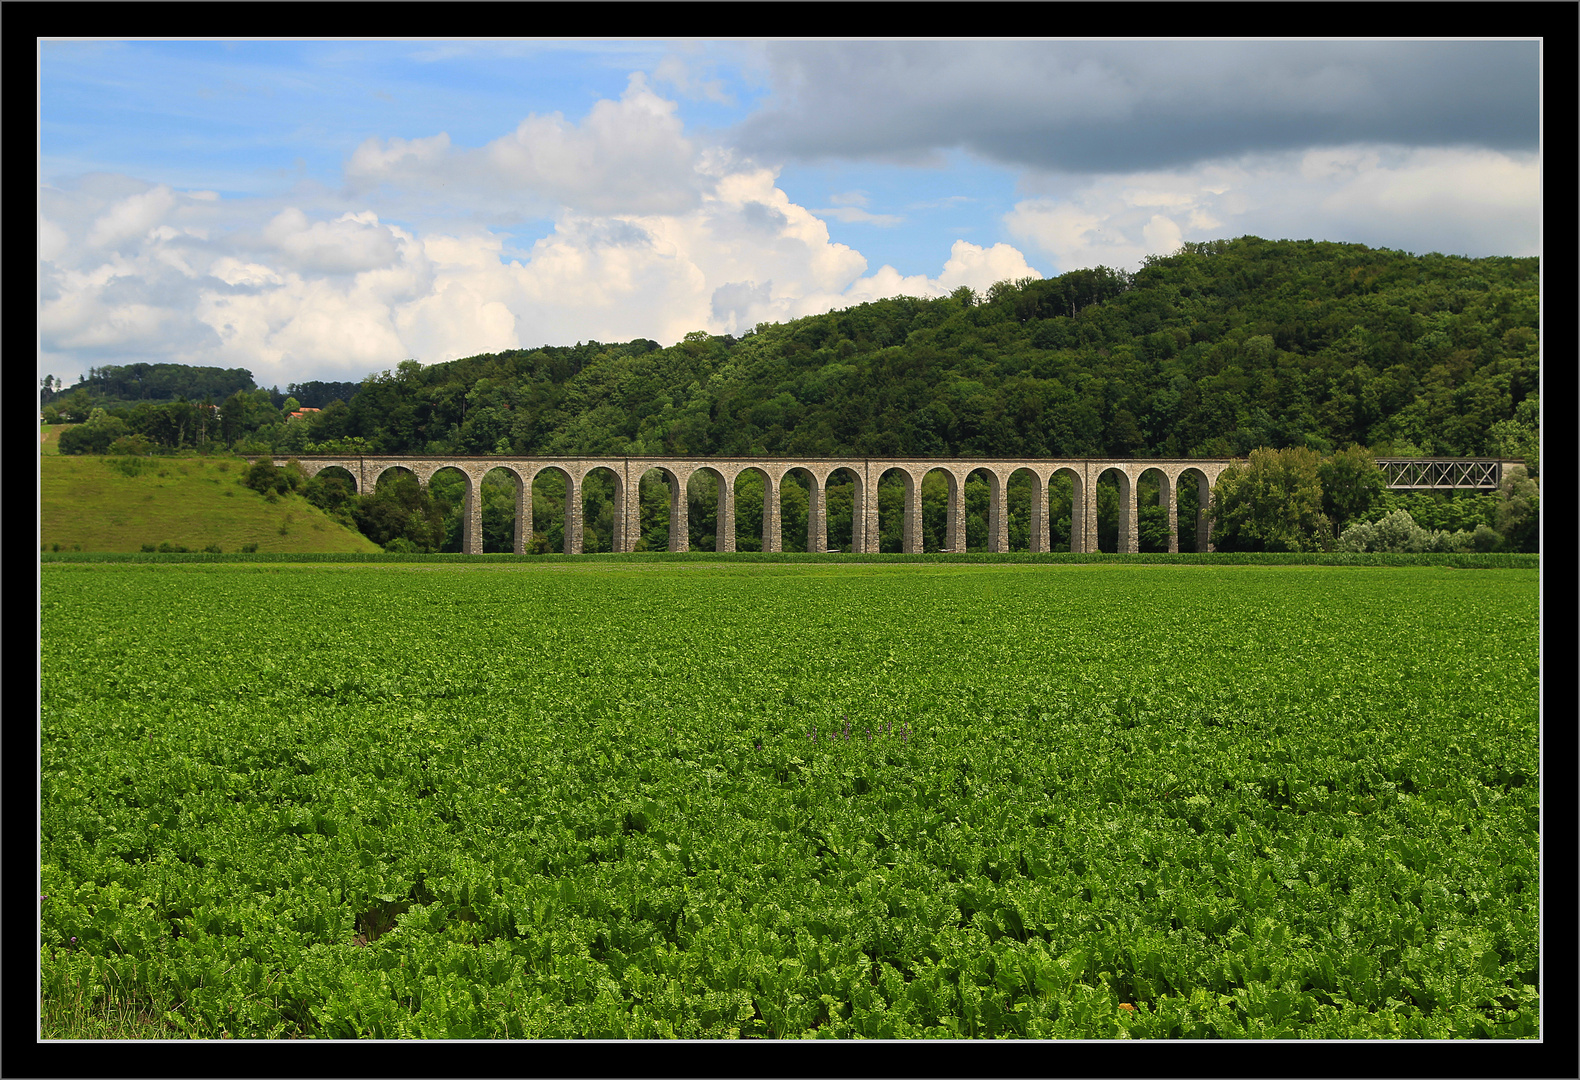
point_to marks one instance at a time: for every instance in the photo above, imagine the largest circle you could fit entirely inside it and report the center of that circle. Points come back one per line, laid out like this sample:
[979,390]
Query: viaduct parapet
[864,472]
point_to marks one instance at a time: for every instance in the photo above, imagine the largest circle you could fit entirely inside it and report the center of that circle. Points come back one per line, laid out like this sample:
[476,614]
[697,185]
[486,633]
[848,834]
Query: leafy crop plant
[839,801]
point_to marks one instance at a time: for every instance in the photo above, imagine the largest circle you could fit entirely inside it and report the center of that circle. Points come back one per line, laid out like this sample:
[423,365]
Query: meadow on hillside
[107,504]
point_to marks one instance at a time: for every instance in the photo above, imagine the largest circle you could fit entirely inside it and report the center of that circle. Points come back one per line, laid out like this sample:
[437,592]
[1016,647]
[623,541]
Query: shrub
[265,478]
[1271,503]
[1398,532]
[132,444]
[94,437]
[1485,538]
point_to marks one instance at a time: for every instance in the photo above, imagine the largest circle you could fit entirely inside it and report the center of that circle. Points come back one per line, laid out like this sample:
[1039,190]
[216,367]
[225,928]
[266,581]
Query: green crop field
[712,801]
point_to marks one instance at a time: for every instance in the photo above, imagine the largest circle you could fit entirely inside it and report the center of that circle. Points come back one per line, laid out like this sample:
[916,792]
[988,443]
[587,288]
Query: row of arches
[831,505]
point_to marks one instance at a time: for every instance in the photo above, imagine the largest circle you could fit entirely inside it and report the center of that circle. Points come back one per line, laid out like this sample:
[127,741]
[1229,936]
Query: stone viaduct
[628,472]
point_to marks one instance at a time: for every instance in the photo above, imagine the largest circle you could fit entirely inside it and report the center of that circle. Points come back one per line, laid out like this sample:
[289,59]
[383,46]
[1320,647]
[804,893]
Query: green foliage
[1272,503]
[264,477]
[490,823]
[1351,483]
[1519,513]
[98,435]
[1214,351]
[401,509]
[161,382]
[1398,532]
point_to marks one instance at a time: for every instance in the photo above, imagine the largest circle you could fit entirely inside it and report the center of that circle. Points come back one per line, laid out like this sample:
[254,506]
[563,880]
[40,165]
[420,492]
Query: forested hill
[1219,349]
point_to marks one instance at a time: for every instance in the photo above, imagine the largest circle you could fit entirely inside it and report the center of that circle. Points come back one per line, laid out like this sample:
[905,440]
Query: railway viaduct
[865,472]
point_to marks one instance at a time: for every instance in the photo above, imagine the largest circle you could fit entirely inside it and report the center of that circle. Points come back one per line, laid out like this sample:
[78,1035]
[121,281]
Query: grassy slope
[49,437]
[89,503]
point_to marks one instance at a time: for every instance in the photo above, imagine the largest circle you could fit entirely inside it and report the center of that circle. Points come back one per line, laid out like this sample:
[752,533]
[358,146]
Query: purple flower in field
[73,941]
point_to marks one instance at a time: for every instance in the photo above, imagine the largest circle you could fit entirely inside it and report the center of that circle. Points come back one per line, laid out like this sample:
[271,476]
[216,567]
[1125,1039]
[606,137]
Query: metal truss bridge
[1440,474]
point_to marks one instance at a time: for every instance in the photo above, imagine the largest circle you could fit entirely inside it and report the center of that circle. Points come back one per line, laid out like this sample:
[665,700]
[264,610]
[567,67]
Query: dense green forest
[1220,349]
[133,384]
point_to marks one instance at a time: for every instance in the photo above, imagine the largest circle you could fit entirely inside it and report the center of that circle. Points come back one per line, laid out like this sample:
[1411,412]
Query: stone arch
[1026,517]
[543,482]
[834,506]
[1057,504]
[469,500]
[608,524]
[1196,480]
[1146,476]
[885,507]
[521,510]
[992,519]
[1125,539]
[674,499]
[352,470]
[764,508]
[334,467]
[378,472]
[722,503]
[795,521]
[940,524]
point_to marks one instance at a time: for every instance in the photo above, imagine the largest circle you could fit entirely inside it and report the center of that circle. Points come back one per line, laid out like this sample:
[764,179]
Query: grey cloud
[737,298]
[1119,106]
[760,217]
[607,233]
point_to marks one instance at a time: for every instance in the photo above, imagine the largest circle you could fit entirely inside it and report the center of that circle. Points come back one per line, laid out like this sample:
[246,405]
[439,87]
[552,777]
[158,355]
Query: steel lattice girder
[1443,472]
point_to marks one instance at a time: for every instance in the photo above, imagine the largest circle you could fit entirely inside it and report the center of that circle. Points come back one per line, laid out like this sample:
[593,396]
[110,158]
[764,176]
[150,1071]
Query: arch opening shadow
[753,524]
[980,493]
[1192,507]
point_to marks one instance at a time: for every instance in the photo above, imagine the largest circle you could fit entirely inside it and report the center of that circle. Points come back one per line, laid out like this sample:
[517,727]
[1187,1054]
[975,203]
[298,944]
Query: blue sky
[324,209]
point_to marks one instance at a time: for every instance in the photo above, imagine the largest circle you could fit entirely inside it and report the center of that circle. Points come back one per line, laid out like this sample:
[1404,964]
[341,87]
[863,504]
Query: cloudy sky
[322,210]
